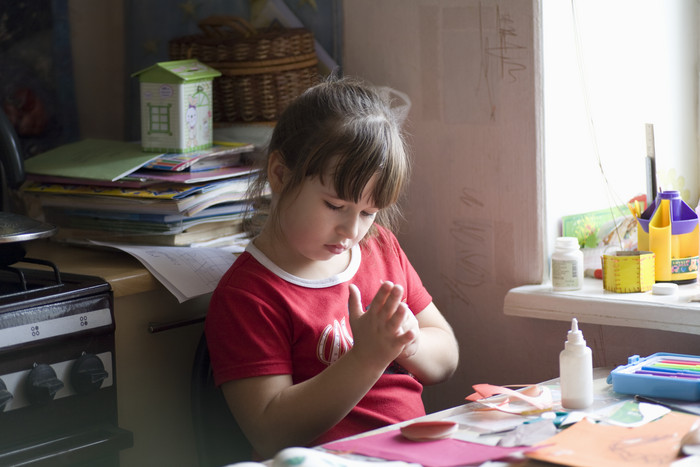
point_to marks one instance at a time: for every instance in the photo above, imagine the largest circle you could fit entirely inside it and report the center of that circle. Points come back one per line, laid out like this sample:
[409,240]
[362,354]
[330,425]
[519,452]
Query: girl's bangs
[362,160]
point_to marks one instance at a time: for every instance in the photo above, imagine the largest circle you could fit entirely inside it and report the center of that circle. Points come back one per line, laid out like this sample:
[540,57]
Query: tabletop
[495,428]
[654,439]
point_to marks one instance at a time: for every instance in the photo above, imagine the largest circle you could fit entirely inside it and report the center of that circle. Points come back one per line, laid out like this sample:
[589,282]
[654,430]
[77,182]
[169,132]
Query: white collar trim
[344,276]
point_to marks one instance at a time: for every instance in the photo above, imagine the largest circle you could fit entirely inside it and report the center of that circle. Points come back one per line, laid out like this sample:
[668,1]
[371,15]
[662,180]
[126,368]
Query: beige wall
[472,230]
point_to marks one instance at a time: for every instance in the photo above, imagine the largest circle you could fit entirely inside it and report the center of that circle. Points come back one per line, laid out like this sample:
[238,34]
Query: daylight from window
[610,68]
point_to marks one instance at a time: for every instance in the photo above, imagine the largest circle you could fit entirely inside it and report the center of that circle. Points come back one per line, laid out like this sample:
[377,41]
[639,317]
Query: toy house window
[159,118]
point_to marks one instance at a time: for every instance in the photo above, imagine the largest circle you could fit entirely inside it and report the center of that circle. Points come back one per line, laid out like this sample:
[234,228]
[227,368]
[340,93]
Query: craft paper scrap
[391,445]
[587,444]
[490,421]
[631,414]
[528,400]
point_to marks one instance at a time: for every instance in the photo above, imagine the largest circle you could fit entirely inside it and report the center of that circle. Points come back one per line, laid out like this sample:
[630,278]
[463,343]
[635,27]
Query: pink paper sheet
[439,453]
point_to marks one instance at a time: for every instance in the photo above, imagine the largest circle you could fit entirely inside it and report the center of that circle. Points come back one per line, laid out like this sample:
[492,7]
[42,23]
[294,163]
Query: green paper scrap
[94,159]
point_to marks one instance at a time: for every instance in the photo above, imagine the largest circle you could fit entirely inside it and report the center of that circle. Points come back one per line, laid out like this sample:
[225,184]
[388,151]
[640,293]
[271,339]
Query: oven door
[98,445]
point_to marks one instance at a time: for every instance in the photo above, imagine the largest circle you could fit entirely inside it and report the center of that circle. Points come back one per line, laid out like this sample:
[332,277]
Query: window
[610,67]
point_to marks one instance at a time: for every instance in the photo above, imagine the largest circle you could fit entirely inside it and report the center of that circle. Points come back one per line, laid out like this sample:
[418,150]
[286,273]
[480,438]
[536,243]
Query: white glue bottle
[567,265]
[576,371]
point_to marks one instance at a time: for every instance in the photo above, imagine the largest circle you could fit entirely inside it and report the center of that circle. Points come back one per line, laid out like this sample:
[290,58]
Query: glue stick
[576,371]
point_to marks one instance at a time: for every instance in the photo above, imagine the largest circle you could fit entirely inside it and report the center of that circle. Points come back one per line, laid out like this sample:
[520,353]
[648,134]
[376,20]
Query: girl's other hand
[409,326]
[383,332]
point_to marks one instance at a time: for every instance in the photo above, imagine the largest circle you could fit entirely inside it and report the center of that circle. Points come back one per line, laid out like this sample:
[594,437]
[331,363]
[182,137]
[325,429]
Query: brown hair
[349,124]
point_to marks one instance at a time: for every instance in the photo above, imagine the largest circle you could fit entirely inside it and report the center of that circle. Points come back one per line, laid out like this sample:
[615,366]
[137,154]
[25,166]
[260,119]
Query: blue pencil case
[665,375]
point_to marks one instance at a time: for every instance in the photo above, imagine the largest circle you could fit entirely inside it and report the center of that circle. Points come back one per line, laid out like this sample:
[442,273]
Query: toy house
[176,106]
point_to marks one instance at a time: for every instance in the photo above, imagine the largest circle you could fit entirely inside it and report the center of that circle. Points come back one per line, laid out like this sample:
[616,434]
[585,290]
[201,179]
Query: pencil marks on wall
[469,199]
[499,43]
[506,51]
[471,240]
[470,92]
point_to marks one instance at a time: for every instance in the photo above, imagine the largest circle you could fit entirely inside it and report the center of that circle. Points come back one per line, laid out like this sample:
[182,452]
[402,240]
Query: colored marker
[667,375]
[676,367]
[681,362]
[670,370]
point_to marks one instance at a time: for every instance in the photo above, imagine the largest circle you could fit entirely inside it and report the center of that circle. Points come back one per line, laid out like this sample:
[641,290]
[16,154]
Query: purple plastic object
[683,217]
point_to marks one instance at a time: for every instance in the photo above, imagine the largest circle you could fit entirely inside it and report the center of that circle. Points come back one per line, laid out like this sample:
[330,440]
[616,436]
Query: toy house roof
[177,72]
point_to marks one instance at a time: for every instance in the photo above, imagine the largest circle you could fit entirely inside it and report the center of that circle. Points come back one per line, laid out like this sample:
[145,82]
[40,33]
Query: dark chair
[219,439]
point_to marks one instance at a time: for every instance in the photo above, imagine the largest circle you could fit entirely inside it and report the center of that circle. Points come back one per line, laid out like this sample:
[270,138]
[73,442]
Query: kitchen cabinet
[153,369]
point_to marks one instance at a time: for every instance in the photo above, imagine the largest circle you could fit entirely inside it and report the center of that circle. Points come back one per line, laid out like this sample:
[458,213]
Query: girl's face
[319,226]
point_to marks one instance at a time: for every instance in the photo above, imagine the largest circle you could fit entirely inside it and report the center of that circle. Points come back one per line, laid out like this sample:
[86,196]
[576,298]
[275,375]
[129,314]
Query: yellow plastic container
[669,229]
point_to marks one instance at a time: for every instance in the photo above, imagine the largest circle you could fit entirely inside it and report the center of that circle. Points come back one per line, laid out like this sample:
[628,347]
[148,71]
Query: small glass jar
[567,264]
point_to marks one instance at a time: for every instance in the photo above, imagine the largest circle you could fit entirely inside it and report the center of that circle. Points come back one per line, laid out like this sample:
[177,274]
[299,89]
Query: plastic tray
[666,375]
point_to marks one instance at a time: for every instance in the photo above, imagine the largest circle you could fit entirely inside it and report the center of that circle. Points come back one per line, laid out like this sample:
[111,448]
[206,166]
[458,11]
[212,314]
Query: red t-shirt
[263,321]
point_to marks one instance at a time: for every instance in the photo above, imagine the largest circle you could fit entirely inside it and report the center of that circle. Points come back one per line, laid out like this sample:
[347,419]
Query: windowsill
[593,304]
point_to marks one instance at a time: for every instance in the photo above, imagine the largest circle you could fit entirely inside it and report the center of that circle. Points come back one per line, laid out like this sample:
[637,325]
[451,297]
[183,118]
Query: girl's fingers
[354,302]
[393,299]
[398,319]
[381,296]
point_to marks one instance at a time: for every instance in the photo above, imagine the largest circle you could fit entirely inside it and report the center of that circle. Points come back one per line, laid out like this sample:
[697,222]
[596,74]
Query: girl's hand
[409,325]
[379,333]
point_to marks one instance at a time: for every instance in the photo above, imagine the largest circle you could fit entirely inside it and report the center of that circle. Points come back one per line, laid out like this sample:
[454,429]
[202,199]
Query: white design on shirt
[334,342]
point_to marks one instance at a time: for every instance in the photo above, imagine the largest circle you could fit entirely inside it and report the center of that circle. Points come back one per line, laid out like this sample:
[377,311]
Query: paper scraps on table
[391,445]
[529,434]
[587,444]
[529,400]
[487,422]
[632,414]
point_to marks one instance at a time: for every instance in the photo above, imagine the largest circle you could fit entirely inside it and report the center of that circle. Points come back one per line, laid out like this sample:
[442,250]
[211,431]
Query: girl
[322,329]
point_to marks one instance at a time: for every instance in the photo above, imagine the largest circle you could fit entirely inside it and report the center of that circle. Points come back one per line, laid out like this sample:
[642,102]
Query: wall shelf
[592,304]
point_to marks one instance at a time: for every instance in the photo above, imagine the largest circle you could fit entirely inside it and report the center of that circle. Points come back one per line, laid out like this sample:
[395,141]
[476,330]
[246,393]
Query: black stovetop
[42,283]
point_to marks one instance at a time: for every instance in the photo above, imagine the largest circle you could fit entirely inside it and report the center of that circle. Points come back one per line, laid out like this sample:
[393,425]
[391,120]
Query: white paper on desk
[488,421]
[186,272]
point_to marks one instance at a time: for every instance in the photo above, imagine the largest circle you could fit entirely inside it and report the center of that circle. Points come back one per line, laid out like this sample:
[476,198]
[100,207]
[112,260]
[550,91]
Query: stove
[58,385]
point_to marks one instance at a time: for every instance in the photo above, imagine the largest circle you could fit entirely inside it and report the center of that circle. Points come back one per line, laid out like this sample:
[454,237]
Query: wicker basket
[262,71]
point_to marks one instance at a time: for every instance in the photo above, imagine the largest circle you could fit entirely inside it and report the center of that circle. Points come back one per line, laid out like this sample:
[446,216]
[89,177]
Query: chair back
[218,437]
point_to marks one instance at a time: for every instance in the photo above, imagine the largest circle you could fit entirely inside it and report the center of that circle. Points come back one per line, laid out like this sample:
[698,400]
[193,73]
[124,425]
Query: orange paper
[587,444]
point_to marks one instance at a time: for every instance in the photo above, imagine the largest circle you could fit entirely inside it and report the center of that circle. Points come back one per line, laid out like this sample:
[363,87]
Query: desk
[604,397]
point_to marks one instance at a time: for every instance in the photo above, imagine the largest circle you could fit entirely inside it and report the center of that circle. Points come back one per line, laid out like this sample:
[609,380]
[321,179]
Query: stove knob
[42,384]
[5,395]
[87,373]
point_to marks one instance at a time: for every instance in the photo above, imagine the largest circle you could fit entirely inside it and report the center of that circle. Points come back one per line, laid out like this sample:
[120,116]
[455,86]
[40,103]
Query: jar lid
[566,242]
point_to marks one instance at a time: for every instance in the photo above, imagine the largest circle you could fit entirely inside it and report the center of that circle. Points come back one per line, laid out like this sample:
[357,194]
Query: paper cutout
[440,453]
[528,401]
[587,444]
[631,414]
[529,434]
[488,421]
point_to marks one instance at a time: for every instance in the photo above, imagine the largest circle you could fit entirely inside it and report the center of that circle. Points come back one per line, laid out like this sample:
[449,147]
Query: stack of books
[113,191]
